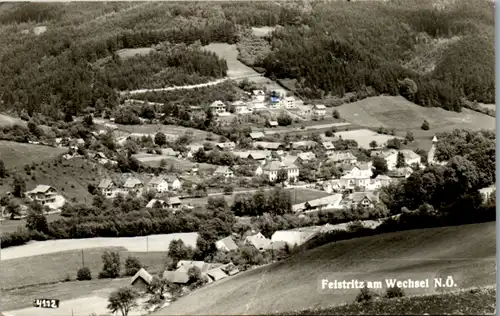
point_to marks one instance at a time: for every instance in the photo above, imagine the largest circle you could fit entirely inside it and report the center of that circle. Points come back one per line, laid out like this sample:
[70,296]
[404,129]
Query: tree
[284,119]
[425,126]
[282,176]
[18,186]
[36,220]
[373,144]
[132,265]
[84,274]
[111,265]
[394,143]
[160,139]
[159,286]
[335,114]
[123,300]
[177,250]
[409,136]
[380,165]
[228,189]
[407,88]
[400,161]
[394,292]
[13,209]
[88,120]
[3,170]
[365,295]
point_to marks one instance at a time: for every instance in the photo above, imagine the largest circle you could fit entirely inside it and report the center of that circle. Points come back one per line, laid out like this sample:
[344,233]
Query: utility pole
[83,261]
[147,243]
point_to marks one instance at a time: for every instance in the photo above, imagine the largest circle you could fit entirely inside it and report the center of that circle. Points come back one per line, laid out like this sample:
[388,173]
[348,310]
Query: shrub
[365,295]
[394,292]
[425,125]
[336,114]
[83,274]
[111,265]
[132,265]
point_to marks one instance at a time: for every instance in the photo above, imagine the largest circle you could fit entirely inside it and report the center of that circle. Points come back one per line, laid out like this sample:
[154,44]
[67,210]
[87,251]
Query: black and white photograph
[275,157]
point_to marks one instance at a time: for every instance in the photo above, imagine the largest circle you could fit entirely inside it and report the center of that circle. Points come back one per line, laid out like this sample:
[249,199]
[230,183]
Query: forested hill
[328,47]
[346,47]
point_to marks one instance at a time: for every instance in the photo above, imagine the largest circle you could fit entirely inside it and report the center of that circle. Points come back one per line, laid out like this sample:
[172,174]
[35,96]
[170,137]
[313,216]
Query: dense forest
[325,48]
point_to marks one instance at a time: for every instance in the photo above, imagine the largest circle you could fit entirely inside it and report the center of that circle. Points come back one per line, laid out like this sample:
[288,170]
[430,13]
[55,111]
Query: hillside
[401,114]
[69,177]
[473,301]
[465,252]
[16,155]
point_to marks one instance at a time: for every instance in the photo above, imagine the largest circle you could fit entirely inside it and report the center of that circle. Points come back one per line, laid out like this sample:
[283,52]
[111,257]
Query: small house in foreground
[141,280]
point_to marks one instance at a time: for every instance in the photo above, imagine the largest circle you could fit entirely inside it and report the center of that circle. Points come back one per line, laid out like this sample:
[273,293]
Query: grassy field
[301,195]
[23,298]
[8,226]
[136,244]
[179,164]
[403,115]
[476,301]
[18,154]
[230,53]
[55,267]
[70,178]
[488,106]
[171,131]
[364,136]
[465,252]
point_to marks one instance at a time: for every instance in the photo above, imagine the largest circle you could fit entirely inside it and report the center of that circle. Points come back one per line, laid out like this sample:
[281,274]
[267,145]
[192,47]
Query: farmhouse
[174,202]
[273,123]
[357,176]
[324,203]
[329,148]
[185,265]
[226,145]
[133,184]
[43,194]
[288,103]
[176,277]
[156,202]
[305,144]
[256,135]
[224,171]
[271,170]
[343,157]
[411,157]
[226,244]
[363,199]
[306,157]
[400,173]
[289,160]
[141,280]
[218,107]
[259,95]
[305,110]
[173,182]
[268,145]
[390,156]
[158,184]
[296,236]
[107,186]
[319,112]
[216,274]
[258,240]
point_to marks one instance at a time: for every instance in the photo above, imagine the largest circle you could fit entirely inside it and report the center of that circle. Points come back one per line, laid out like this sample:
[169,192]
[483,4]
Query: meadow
[171,131]
[56,267]
[149,243]
[9,226]
[466,252]
[364,136]
[16,154]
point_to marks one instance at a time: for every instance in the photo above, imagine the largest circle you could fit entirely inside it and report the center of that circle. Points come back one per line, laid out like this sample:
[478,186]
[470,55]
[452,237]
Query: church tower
[432,151]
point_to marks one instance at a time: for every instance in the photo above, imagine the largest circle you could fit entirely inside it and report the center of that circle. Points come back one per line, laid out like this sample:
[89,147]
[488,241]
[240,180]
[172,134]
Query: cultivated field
[55,267]
[131,52]
[402,115]
[178,163]
[136,244]
[467,253]
[364,136]
[301,195]
[171,131]
[16,154]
